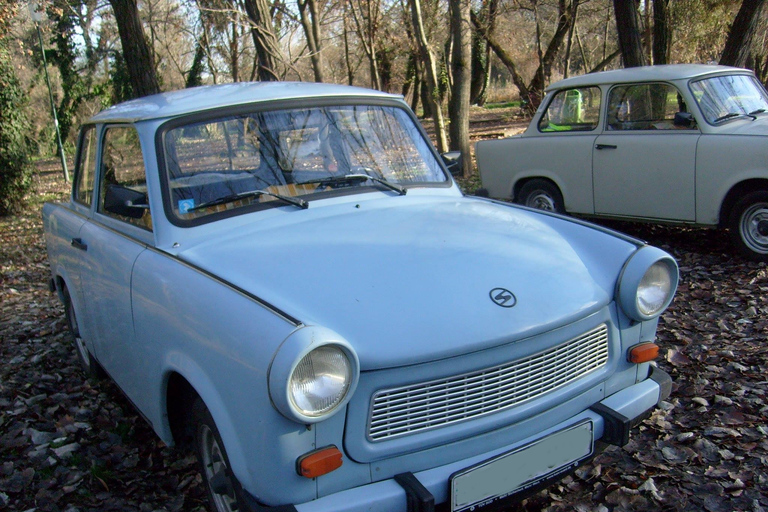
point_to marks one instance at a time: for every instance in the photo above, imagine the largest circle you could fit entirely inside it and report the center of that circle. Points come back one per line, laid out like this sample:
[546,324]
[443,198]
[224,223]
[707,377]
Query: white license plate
[521,469]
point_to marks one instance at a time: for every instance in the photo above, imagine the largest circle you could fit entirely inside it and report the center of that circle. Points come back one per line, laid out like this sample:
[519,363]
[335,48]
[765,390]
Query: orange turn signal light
[643,353]
[319,462]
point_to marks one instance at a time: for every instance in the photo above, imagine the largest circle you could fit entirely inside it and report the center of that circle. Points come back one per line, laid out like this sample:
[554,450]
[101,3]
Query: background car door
[643,164]
[112,242]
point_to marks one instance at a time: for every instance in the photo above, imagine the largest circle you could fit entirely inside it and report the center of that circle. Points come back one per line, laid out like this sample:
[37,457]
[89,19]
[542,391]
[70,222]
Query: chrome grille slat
[427,405]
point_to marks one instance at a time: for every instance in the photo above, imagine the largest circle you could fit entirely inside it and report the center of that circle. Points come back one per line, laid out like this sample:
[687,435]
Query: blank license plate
[521,469]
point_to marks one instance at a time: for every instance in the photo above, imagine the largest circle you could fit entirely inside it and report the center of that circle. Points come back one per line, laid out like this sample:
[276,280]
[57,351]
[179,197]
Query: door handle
[605,146]
[77,243]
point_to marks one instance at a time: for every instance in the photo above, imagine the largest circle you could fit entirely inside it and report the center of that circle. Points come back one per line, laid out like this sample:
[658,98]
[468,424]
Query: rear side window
[572,110]
[86,166]
[123,186]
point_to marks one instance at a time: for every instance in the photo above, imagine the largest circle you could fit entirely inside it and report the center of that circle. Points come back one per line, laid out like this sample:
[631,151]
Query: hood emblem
[503,297]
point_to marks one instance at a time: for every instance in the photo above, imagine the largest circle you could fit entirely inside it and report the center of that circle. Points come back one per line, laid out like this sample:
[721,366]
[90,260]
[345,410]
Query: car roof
[665,72]
[198,99]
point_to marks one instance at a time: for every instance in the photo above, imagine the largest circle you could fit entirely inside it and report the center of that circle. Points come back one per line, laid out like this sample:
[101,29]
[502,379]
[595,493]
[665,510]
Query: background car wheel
[542,195]
[224,491]
[749,225]
[87,362]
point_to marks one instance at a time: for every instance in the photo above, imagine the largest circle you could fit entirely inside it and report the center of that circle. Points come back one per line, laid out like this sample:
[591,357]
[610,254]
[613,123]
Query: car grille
[428,405]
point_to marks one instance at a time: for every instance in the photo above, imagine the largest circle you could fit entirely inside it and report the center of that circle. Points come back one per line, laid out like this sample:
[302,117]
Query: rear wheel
[749,225]
[224,491]
[542,195]
[87,362]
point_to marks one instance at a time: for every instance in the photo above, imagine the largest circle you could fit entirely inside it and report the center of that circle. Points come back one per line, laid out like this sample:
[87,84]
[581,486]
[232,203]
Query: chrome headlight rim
[635,271]
[298,346]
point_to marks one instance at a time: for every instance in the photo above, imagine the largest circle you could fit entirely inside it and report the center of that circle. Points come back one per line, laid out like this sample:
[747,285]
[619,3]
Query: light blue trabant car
[286,277]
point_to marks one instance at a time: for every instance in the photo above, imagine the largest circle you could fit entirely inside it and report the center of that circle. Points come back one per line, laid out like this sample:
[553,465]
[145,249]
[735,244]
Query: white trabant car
[286,277]
[684,144]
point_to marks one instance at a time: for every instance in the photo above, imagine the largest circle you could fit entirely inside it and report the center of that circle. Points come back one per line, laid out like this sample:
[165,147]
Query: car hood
[409,279]
[747,126]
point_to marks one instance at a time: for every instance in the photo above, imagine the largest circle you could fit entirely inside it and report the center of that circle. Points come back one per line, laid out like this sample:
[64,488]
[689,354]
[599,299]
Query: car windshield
[731,96]
[259,159]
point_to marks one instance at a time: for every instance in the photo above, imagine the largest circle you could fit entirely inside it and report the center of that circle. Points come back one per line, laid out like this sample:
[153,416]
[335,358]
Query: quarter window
[572,110]
[86,166]
[123,188]
[645,107]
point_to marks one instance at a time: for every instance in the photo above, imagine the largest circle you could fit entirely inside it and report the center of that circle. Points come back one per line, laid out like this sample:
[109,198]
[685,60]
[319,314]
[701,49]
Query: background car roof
[198,99]
[646,73]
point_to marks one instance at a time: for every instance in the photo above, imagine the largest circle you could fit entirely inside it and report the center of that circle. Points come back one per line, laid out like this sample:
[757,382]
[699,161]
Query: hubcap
[541,200]
[753,228]
[216,472]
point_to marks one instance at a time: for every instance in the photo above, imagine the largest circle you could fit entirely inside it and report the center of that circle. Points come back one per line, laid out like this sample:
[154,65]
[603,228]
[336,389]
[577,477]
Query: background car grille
[428,405]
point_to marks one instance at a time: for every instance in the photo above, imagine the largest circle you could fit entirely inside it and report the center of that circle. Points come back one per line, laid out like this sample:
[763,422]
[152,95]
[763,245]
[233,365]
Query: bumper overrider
[511,472]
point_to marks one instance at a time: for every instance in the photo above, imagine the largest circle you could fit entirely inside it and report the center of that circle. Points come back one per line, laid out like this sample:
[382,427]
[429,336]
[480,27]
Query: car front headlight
[313,375]
[647,284]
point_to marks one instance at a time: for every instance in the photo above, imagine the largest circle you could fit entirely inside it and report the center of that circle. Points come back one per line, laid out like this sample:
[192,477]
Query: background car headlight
[313,375]
[320,381]
[647,284]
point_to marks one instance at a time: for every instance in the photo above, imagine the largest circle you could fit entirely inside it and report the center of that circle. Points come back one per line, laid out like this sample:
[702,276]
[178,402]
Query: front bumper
[611,418]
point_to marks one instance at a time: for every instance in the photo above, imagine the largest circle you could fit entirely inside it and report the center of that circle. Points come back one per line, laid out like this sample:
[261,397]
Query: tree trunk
[366,24]
[136,51]
[569,42]
[431,76]
[662,32]
[738,46]
[461,67]
[264,40]
[629,33]
[311,24]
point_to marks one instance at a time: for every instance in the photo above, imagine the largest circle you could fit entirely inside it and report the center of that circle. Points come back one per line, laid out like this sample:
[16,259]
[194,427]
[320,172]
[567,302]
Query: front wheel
[224,491]
[749,225]
[542,195]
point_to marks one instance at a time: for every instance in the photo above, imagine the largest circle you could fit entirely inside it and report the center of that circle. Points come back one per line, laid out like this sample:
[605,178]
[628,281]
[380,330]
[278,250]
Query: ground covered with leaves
[68,444]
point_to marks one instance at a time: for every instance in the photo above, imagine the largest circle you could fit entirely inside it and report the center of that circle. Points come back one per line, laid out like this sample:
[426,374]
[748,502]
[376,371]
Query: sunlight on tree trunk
[461,67]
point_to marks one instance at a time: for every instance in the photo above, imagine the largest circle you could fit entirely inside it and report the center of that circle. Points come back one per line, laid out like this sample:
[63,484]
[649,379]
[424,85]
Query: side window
[123,185]
[86,166]
[645,107]
[572,110]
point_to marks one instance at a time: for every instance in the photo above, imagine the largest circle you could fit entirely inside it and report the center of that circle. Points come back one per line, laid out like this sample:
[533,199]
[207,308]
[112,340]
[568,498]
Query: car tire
[748,225]
[225,494]
[87,362]
[542,195]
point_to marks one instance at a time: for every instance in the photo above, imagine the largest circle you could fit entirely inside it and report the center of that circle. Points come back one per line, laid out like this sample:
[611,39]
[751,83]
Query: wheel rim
[541,201]
[82,350]
[753,228]
[220,485]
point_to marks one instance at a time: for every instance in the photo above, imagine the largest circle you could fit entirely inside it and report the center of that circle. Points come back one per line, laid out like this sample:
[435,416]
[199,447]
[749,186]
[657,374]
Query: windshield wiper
[348,178]
[731,115]
[758,111]
[301,203]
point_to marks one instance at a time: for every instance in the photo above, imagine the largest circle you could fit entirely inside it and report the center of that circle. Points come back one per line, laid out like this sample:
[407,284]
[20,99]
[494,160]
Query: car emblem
[503,297]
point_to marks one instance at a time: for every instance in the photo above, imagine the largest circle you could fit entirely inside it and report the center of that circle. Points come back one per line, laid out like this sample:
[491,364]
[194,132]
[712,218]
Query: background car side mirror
[125,201]
[453,162]
[683,120]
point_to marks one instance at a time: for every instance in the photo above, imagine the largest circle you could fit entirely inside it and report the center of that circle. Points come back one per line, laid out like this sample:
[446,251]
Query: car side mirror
[683,120]
[125,201]
[453,162]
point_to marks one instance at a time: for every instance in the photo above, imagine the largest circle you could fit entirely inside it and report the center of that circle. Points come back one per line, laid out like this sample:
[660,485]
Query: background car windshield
[733,94]
[291,153]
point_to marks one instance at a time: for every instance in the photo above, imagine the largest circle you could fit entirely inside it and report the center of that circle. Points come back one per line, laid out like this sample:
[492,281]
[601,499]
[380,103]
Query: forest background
[443,56]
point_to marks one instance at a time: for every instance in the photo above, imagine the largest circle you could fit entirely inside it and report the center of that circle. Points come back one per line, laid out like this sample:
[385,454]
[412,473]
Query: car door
[643,164]
[111,242]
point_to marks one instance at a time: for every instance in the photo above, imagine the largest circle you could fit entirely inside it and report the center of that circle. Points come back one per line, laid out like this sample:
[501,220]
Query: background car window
[645,107]
[123,186]
[86,166]
[572,110]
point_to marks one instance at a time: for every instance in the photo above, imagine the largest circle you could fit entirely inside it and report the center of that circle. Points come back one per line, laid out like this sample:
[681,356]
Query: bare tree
[627,26]
[431,82]
[136,51]
[461,68]
[366,15]
[738,46]
[265,41]
[311,25]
